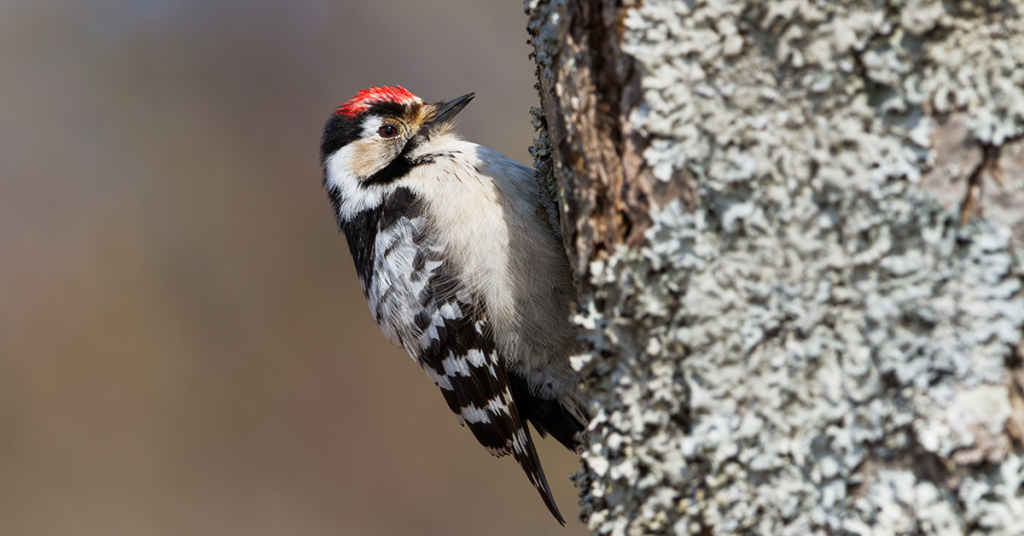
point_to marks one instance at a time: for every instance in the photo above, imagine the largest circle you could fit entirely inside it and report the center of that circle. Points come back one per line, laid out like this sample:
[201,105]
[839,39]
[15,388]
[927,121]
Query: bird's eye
[387,131]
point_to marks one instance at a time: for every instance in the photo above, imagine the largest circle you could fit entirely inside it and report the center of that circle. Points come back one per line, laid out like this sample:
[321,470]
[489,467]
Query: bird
[460,267]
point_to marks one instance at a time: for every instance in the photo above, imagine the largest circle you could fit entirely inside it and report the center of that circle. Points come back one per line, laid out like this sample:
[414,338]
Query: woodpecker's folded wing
[458,352]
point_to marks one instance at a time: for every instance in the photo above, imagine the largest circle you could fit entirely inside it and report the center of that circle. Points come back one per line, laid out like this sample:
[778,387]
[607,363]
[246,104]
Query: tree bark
[798,232]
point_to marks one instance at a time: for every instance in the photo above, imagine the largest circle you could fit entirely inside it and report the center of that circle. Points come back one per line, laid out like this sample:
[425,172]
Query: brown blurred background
[184,349]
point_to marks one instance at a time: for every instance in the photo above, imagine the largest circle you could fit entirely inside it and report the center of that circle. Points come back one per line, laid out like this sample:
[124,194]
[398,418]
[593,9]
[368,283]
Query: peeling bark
[596,157]
[798,230]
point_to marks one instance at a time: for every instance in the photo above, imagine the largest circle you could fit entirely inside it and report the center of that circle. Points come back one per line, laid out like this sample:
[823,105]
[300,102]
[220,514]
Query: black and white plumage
[459,267]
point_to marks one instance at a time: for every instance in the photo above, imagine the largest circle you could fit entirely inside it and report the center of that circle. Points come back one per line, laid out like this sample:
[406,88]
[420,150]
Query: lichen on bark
[795,328]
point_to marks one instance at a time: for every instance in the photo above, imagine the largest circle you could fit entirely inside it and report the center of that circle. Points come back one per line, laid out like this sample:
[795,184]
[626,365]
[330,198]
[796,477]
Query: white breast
[482,208]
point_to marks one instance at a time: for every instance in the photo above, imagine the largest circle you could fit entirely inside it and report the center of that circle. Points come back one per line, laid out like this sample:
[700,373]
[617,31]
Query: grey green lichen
[815,347]
[785,380]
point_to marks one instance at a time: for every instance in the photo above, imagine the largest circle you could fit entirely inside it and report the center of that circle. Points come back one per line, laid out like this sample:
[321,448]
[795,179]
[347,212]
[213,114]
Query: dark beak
[451,108]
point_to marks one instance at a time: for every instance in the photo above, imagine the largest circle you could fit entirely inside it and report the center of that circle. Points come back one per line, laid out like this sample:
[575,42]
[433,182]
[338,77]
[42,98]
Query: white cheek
[354,197]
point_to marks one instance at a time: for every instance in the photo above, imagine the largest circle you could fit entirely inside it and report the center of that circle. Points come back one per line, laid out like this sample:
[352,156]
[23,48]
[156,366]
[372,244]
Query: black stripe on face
[397,168]
[339,131]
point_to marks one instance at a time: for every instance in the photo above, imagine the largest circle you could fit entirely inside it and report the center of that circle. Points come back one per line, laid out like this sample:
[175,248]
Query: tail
[563,419]
[525,453]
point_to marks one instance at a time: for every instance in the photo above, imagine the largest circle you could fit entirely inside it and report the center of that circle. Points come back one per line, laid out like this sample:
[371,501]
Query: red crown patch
[366,97]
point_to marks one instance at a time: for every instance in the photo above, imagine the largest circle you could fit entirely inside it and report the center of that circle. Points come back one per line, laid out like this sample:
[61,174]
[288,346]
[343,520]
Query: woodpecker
[460,268]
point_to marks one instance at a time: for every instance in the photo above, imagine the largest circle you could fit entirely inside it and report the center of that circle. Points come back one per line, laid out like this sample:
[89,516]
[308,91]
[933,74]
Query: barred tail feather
[525,453]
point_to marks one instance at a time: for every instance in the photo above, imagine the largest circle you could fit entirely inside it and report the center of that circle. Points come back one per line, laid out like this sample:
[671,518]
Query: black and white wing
[416,298]
[461,358]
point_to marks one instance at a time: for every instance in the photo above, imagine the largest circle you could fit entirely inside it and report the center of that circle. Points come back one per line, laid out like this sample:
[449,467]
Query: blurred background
[184,348]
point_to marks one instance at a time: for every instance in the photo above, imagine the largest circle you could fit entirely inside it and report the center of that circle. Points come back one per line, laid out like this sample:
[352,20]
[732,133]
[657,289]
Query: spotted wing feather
[416,298]
[460,357]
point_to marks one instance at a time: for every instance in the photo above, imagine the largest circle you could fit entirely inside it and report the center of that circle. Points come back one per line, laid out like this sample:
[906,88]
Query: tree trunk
[798,231]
